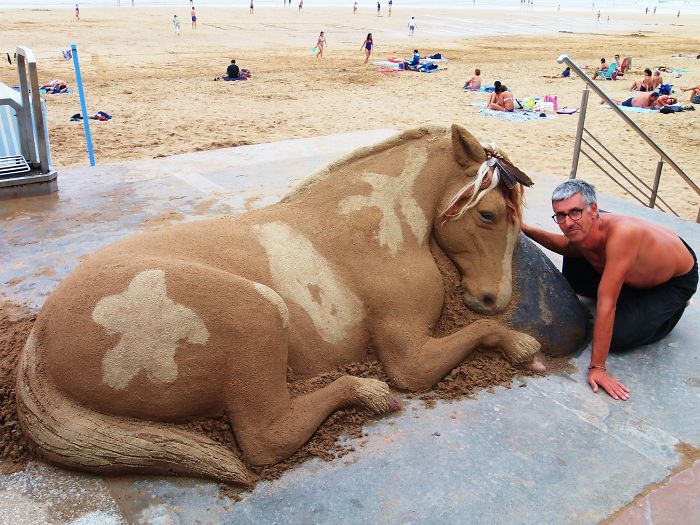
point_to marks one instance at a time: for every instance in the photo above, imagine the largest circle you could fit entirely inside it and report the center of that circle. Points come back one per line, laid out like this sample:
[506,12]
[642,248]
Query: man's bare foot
[538,363]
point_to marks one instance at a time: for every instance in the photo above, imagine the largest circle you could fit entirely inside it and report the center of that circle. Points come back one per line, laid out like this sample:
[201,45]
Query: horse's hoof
[375,395]
[520,347]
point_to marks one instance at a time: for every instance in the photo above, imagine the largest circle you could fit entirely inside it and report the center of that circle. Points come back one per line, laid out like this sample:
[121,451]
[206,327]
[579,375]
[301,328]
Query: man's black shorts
[642,315]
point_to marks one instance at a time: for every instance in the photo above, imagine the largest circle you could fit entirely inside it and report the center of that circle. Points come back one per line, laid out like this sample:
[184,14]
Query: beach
[159,86]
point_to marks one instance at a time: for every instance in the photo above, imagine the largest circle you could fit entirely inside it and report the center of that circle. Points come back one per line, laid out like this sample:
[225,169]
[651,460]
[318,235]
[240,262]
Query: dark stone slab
[546,306]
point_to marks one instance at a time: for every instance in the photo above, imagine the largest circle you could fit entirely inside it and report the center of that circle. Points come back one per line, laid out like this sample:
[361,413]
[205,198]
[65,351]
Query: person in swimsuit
[354,8]
[320,45]
[368,46]
[194,19]
[656,80]
[493,97]
[641,275]
[665,100]
[645,84]
[474,83]
[251,7]
[505,102]
[77,13]
[694,92]
[642,101]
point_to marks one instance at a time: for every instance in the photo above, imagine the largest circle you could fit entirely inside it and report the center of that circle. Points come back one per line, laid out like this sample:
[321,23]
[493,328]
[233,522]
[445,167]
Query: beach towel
[482,89]
[477,104]
[631,109]
[516,116]
[387,63]
[50,92]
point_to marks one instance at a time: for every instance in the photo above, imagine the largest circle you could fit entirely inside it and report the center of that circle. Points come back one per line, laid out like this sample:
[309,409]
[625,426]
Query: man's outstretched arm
[552,241]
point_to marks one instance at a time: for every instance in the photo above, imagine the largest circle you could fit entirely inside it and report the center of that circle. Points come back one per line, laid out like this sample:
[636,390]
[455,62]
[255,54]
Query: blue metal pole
[83,105]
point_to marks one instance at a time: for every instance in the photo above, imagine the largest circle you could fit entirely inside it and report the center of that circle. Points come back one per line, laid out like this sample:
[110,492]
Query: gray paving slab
[547,450]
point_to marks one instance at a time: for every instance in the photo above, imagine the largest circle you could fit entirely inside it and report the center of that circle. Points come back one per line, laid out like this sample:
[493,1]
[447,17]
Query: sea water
[605,6]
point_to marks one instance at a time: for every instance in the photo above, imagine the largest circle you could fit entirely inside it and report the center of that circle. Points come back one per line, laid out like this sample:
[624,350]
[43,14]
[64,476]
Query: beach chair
[625,66]
[607,74]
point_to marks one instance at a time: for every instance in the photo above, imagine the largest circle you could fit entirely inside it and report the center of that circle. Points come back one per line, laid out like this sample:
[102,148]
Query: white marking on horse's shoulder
[296,267]
[272,296]
[505,287]
[151,325]
[391,195]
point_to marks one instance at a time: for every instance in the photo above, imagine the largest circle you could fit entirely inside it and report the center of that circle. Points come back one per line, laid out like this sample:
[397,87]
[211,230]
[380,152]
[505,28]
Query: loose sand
[160,91]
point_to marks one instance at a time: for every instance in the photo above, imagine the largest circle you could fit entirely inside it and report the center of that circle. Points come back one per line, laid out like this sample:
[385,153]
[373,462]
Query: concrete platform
[549,452]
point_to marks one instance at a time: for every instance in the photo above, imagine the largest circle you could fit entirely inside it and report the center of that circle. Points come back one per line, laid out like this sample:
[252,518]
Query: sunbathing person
[506,100]
[686,55]
[55,86]
[642,101]
[646,84]
[493,97]
[474,83]
[656,80]
[665,100]
[694,92]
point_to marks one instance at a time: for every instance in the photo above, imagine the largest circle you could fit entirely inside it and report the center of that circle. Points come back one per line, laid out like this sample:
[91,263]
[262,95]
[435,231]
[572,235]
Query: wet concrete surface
[547,450]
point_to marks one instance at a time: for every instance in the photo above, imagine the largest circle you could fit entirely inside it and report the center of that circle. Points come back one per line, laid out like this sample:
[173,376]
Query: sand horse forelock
[207,317]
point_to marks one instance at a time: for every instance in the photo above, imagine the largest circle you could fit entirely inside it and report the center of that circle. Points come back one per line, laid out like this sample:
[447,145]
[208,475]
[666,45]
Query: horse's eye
[487,217]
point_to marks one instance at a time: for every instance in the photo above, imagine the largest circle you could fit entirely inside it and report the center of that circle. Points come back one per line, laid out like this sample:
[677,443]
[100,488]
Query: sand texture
[159,87]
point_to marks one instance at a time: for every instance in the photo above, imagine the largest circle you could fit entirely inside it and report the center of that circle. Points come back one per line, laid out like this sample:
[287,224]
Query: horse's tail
[73,436]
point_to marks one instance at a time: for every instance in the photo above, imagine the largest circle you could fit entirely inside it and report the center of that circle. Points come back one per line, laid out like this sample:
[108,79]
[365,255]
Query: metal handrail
[631,123]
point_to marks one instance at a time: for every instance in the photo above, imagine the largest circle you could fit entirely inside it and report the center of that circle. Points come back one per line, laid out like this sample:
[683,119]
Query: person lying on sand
[686,55]
[642,101]
[646,84]
[505,102]
[55,86]
[665,100]
[475,81]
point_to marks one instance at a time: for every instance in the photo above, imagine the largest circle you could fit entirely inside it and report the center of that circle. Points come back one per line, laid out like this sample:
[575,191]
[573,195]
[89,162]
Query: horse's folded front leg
[416,361]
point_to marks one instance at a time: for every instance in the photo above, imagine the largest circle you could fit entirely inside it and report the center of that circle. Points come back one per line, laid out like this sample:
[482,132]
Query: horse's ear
[465,147]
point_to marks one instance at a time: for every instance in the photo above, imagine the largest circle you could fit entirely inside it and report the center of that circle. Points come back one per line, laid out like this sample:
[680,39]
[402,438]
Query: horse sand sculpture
[205,318]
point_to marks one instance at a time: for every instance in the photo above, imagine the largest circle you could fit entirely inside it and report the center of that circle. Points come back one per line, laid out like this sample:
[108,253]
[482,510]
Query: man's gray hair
[572,187]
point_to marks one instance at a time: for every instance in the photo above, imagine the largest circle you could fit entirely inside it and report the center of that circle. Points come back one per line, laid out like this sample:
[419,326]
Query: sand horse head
[479,224]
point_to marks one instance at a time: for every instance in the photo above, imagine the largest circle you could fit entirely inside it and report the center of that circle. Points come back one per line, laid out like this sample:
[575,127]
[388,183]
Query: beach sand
[159,87]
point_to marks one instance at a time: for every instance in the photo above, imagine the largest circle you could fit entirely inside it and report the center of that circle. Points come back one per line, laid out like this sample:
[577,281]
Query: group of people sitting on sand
[501,99]
[616,68]
[649,82]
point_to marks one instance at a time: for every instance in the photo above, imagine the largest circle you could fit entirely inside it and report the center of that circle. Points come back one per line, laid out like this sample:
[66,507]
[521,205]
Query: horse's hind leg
[268,424]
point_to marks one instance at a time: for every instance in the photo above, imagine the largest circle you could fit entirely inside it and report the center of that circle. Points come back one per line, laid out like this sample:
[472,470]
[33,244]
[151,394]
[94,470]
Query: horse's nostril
[488,300]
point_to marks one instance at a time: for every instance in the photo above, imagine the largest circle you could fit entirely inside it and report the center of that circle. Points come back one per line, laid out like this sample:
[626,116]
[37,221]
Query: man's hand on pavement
[599,377]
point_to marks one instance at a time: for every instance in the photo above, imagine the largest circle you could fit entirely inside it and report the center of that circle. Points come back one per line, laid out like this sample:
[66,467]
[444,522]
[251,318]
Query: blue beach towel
[631,109]
[516,116]
[482,89]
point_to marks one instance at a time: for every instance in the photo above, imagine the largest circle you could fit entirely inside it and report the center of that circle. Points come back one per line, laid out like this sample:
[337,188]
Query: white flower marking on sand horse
[388,194]
[151,325]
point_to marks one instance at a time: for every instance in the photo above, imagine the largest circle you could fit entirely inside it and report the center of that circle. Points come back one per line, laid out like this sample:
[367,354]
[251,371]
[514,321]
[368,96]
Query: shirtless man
[642,101]
[474,83]
[642,275]
[506,101]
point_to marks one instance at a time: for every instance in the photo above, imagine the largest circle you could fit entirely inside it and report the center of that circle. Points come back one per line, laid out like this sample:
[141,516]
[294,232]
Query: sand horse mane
[486,179]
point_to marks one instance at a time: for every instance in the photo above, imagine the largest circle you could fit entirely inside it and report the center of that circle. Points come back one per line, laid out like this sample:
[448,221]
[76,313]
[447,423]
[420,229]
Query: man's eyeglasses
[574,215]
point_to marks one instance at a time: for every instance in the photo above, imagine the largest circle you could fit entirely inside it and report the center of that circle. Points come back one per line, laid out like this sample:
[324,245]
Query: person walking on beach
[411,26]
[194,19]
[598,17]
[641,275]
[77,13]
[354,8]
[379,8]
[391,2]
[301,5]
[176,25]
[368,46]
[320,45]
[252,8]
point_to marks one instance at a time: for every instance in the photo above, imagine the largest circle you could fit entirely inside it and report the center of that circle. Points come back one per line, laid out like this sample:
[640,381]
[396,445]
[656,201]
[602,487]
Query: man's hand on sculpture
[599,377]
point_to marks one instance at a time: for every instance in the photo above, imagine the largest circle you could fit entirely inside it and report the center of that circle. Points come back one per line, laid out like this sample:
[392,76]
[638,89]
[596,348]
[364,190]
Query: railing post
[579,132]
[657,181]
